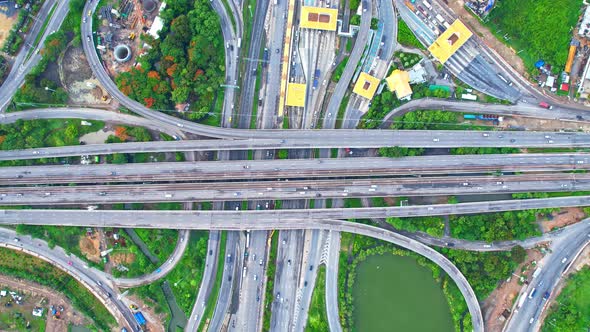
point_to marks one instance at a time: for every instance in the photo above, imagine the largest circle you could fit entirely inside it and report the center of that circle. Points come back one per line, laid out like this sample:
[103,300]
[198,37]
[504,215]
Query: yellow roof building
[450,41]
[296,94]
[366,85]
[399,82]
[318,18]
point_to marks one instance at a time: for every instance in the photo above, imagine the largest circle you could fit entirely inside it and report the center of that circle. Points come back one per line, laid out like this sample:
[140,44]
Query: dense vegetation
[406,37]
[4,67]
[385,102]
[40,90]
[433,225]
[339,70]
[571,310]
[183,65]
[317,317]
[538,28]
[26,267]
[397,152]
[161,242]
[270,275]
[42,133]
[484,270]
[184,279]
[490,227]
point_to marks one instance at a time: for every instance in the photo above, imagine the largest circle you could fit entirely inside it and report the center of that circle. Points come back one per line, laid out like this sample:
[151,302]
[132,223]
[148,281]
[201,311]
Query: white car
[435,140]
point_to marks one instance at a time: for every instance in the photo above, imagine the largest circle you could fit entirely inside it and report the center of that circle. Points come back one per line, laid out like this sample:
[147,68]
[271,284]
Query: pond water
[394,293]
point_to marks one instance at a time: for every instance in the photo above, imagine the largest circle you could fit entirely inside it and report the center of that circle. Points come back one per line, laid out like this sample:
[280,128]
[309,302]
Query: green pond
[394,293]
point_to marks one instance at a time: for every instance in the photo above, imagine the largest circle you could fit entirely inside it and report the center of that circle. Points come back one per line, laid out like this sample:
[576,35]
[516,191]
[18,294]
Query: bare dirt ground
[540,124]
[5,26]
[98,137]
[76,77]
[35,295]
[503,297]
[489,39]
[90,247]
[122,258]
[154,320]
[566,216]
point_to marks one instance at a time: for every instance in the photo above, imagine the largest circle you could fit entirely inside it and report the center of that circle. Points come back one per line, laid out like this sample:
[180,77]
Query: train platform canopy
[366,85]
[318,18]
[450,41]
[399,82]
[296,94]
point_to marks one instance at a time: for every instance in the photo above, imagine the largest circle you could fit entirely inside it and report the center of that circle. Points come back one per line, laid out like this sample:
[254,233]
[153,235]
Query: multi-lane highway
[293,169]
[297,189]
[265,219]
[303,139]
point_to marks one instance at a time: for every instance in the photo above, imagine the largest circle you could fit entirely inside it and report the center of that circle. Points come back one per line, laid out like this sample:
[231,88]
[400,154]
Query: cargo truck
[545,105]
[521,300]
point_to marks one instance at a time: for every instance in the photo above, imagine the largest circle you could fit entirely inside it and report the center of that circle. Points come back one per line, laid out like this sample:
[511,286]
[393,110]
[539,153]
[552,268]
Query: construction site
[117,37]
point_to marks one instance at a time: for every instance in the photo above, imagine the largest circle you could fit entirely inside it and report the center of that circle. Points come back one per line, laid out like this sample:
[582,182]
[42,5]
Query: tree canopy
[183,65]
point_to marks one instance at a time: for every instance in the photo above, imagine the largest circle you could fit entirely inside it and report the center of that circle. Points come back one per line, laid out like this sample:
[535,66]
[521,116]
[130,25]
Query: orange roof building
[450,41]
[318,18]
[366,85]
[399,82]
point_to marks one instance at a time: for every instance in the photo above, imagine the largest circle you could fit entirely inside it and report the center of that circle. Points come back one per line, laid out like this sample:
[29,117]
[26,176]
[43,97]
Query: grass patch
[406,37]
[317,319]
[161,242]
[270,274]
[339,70]
[184,279]
[43,133]
[20,265]
[571,310]
[538,28]
[341,111]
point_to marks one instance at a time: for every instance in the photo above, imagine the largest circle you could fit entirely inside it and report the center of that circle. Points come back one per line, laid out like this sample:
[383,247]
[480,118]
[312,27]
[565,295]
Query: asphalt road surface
[324,139]
[293,190]
[297,168]
[526,318]
[266,219]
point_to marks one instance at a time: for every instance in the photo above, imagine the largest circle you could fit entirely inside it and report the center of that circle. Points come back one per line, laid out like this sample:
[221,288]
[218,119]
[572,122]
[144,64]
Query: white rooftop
[156,27]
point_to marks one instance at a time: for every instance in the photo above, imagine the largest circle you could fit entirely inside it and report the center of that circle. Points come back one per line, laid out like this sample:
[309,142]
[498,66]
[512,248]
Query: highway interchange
[467,65]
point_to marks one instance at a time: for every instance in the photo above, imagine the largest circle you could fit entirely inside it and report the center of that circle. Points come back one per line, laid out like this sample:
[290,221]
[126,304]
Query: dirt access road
[483,32]
[37,292]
